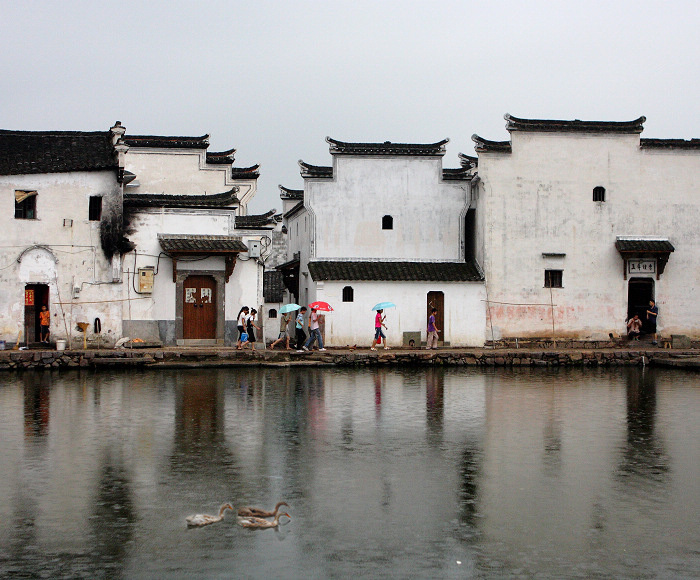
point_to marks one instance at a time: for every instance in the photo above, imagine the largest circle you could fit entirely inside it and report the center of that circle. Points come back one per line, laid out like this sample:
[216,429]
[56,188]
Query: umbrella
[383,305]
[322,306]
[289,308]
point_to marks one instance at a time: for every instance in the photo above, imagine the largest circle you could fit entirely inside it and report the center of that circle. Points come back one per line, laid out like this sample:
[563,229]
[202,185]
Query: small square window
[348,294]
[95,212]
[25,205]
[553,278]
[599,193]
[387,222]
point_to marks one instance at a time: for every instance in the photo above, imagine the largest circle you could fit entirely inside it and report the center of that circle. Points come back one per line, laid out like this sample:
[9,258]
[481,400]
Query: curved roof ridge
[548,125]
[308,170]
[167,141]
[386,148]
[485,145]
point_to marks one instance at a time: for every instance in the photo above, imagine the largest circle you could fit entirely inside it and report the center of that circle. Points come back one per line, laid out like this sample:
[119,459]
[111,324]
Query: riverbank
[229,357]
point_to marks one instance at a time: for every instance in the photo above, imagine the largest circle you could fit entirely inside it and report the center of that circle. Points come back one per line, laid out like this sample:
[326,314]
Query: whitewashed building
[198,256]
[386,222]
[58,189]
[581,223]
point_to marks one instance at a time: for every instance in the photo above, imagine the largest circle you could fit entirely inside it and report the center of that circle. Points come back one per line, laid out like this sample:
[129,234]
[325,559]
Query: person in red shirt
[378,332]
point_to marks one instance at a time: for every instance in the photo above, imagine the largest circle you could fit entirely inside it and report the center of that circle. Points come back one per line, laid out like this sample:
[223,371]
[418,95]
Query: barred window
[553,278]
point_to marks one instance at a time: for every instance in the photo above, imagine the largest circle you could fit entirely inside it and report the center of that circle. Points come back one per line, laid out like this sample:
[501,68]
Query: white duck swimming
[206,519]
[260,523]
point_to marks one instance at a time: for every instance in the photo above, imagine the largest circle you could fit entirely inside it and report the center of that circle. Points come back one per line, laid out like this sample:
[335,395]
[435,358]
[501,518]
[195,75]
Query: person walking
[378,332]
[299,328]
[314,331]
[652,315]
[433,330]
[241,325]
[44,324]
[284,330]
[250,327]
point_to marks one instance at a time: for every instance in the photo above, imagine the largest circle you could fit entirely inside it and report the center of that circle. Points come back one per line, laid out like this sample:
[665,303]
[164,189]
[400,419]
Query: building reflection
[36,404]
[435,404]
[470,471]
[643,457]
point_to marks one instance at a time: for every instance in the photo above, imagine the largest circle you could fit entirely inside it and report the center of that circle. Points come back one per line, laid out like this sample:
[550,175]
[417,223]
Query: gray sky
[272,79]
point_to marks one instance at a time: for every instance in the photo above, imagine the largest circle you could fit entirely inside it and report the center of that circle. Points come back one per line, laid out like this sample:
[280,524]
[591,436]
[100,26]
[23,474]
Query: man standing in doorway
[44,324]
[652,315]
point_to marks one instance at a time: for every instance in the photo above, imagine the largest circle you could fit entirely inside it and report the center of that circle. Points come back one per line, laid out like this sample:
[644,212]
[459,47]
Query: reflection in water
[643,458]
[412,473]
[435,403]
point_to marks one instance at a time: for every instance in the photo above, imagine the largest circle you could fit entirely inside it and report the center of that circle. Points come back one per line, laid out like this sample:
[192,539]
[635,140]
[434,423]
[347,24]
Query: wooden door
[436,299]
[199,309]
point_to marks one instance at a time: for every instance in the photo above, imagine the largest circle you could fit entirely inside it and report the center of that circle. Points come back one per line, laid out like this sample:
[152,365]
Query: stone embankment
[228,357]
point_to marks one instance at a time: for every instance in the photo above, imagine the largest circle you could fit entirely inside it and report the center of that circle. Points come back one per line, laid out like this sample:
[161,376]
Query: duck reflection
[435,404]
[643,456]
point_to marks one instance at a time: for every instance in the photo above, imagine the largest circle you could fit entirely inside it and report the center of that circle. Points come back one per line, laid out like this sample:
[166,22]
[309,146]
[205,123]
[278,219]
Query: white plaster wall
[77,249]
[539,199]
[353,322]
[183,172]
[427,212]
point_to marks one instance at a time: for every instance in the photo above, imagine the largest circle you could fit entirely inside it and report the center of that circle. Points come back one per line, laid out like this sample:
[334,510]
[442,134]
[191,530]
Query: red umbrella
[322,306]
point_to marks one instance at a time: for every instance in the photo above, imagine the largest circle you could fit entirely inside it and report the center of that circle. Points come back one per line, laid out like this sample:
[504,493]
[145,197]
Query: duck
[246,512]
[205,519]
[261,523]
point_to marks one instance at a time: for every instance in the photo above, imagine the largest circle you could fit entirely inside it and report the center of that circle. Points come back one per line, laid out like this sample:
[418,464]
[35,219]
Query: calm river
[415,473]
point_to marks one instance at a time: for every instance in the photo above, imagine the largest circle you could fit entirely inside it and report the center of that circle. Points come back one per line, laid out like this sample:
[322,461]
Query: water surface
[428,473]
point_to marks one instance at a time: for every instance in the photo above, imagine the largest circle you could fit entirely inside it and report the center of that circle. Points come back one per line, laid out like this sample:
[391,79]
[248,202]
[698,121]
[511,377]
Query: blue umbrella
[289,308]
[383,305]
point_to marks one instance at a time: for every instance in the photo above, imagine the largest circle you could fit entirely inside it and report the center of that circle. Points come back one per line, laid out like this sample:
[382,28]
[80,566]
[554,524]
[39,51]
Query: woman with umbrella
[286,312]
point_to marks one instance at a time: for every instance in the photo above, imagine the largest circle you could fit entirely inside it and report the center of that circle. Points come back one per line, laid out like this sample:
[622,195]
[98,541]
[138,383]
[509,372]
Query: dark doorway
[35,296]
[436,299]
[639,292]
[199,309]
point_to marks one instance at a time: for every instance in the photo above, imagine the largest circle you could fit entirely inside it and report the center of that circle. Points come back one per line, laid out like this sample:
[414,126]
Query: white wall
[74,257]
[353,322]
[539,200]
[428,214]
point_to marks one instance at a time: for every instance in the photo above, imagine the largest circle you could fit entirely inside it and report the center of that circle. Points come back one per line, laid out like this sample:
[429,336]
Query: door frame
[219,278]
[42,296]
[439,297]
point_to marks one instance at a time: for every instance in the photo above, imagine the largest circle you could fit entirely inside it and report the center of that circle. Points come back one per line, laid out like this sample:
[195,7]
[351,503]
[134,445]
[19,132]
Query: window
[553,278]
[25,205]
[272,313]
[387,222]
[95,212]
[348,294]
[599,193]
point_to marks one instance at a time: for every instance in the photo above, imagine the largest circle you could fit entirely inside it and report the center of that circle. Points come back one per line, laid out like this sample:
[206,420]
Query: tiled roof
[287,193]
[486,146]
[161,142]
[245,172]
[184,243]
[459,174]
[171,200]
[644,245]
[273,286]
[547,125]
[296,209]
[397,271]
[221,157]
[308,170]
[387,148]
[468,160]
[29,152]
[264,220]
[670,143]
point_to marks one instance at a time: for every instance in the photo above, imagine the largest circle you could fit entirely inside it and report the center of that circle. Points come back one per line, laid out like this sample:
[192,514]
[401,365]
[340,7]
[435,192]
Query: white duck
[261,523]
[206,519]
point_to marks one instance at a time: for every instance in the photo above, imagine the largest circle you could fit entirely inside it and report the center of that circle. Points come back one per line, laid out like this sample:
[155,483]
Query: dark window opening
[553,278]
[387,222]
[348,294]
[25,205]
[470,235]
[272,313]
[95,213]
[599,193]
